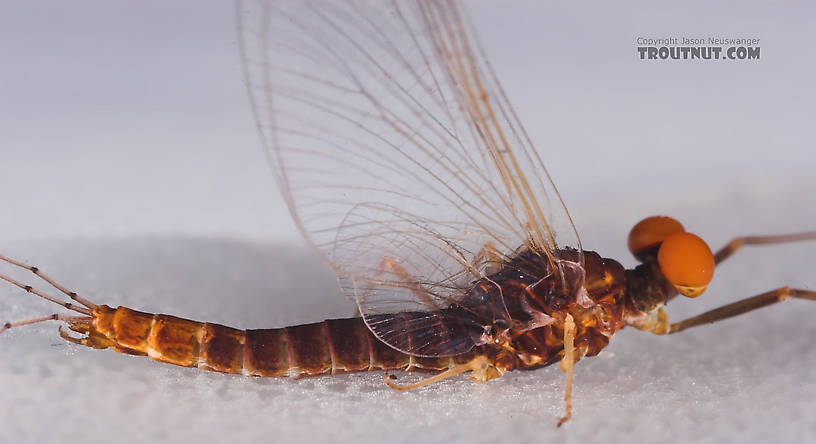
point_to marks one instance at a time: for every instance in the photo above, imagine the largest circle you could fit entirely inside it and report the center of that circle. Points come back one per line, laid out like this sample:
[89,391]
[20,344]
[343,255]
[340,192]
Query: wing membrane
[399,157]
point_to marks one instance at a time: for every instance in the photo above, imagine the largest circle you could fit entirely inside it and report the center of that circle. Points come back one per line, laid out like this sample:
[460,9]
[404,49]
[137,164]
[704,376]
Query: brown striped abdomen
[332,346]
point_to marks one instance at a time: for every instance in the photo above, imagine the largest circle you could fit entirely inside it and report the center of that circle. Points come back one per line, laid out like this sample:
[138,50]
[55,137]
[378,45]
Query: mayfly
[403,163]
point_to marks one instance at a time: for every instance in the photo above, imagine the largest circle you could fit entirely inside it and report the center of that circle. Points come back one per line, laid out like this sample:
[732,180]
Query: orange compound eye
[687,263]
[650,232]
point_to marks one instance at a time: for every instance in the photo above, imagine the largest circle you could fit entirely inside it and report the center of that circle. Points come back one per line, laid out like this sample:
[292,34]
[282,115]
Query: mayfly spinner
[403,163]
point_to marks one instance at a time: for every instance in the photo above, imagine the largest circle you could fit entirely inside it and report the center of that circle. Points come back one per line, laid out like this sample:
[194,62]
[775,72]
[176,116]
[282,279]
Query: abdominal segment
[328,347]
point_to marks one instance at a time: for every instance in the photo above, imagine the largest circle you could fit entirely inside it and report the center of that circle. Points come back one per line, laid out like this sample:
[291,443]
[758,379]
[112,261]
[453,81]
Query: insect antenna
[84,307]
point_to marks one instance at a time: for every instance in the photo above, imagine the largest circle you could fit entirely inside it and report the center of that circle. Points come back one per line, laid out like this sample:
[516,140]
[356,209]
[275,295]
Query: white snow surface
[131,173]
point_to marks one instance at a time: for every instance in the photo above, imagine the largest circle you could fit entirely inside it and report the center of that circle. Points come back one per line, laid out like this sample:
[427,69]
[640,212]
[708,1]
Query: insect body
[544,324]
[403,163]
[528,338]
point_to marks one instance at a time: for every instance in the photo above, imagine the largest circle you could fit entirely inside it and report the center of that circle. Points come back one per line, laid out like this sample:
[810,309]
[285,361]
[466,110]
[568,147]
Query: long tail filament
[83,307]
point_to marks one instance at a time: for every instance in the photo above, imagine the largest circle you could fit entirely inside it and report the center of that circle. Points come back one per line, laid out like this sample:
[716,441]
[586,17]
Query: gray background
[131,171]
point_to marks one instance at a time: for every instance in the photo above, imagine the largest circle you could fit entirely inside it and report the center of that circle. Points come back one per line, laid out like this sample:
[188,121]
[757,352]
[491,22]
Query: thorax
[538,300]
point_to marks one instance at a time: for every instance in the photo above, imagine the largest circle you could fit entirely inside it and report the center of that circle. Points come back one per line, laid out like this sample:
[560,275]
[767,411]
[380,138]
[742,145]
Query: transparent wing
[400,159]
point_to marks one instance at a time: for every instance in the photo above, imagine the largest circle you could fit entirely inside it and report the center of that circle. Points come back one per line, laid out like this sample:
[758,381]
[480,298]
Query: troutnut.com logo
[706,48]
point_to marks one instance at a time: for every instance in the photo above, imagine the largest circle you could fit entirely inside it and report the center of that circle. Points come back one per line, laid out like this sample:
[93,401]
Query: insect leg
[738,242]
[406,280]
[480,367]
[568,364]
[739,307]
[488,260]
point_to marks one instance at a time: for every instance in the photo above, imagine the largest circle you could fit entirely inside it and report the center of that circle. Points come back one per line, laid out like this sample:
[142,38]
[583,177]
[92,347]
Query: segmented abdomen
[332,346]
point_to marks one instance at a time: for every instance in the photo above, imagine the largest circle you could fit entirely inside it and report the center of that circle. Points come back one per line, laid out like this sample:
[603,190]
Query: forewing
[398,155]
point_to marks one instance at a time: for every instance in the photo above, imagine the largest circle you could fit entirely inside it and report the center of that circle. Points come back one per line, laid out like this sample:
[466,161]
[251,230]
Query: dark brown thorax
[537,303]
